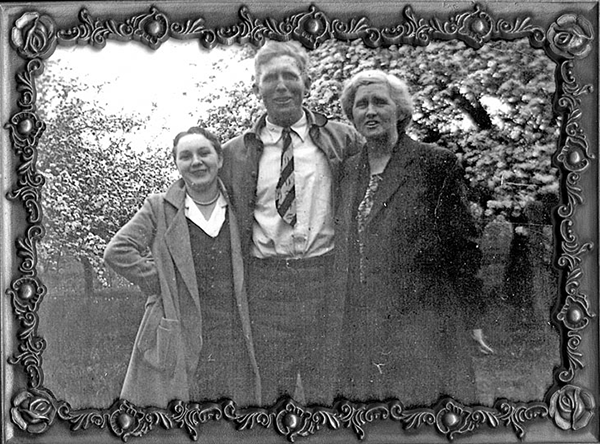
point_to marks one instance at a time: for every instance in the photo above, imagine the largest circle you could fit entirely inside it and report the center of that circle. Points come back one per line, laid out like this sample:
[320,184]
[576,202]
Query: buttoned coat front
[153,251]
[408,303]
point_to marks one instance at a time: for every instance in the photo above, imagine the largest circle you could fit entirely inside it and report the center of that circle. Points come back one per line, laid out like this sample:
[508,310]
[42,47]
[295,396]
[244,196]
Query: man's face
[281,88]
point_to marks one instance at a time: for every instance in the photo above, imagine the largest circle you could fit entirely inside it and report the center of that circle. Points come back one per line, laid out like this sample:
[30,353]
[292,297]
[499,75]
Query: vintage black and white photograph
[322,223]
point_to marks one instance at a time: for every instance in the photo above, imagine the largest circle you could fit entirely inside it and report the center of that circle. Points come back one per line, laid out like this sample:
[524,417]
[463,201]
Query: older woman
[405,241]
[182,248]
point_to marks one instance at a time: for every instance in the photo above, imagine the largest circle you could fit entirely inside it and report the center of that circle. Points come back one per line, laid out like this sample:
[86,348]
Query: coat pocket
[157,340]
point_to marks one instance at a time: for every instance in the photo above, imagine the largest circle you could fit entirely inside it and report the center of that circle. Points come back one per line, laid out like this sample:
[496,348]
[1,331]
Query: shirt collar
[273,131]
[210,226]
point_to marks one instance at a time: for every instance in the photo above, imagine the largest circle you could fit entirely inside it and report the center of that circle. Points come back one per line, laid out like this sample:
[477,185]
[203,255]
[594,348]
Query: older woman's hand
[483,347]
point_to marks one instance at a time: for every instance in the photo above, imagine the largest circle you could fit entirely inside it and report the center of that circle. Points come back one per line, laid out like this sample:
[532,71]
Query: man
[283,178]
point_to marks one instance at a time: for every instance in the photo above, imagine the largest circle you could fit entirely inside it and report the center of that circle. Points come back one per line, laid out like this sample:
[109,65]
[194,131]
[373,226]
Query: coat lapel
[350,185]
[239,289]
[396,173]
[177,240]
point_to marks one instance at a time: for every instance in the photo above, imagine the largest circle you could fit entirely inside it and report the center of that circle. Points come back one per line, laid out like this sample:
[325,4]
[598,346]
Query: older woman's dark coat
[406,325]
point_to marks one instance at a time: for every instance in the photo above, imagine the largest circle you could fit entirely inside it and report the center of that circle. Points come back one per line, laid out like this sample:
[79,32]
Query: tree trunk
[88,276]
[477,112]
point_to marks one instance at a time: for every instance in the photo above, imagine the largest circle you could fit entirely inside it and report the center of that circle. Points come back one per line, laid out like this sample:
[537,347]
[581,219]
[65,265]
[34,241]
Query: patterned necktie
[285,191]
[364,209]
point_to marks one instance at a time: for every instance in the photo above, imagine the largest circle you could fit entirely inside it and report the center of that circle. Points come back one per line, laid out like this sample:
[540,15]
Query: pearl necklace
[206,204]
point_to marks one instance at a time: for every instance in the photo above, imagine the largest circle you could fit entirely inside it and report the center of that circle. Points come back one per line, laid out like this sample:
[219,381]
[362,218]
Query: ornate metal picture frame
[567,32]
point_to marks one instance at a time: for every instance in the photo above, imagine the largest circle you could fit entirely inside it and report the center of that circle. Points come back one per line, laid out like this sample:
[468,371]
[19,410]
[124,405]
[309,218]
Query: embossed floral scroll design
[35,36]
[569,38]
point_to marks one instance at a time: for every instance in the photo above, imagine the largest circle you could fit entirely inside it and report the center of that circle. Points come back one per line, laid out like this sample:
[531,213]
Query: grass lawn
[89,341]
[90,338]
[525,356]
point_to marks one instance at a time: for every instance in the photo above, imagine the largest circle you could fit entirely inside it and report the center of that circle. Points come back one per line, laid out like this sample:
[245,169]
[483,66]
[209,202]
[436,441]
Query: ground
[90,339]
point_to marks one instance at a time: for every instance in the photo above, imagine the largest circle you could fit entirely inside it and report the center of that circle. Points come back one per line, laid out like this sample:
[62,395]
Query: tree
[94,180]
[100,162]
[492,107]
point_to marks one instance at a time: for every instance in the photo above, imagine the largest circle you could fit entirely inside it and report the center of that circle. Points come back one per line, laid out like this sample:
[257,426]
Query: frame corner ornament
[572,407]
[34,35]
[34,410]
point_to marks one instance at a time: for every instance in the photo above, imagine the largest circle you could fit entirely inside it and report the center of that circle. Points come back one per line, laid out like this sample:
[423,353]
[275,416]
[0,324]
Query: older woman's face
[375,113]
[197,161]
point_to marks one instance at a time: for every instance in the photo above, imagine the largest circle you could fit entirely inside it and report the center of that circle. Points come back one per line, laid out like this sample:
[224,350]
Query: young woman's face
[197,161]
[374,112]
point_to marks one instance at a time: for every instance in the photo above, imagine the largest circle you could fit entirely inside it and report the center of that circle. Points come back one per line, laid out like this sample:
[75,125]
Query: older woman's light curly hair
[397,88]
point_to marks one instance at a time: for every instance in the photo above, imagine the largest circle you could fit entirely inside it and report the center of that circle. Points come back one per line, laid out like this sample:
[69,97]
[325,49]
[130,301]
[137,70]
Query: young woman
[182,248]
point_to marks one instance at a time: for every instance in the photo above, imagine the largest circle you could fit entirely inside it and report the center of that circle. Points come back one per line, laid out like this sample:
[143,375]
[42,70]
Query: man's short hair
[273,49]
[203,132]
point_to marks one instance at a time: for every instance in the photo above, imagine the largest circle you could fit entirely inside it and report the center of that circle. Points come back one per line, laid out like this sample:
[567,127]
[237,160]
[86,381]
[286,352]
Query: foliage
[492,107]
[94,180]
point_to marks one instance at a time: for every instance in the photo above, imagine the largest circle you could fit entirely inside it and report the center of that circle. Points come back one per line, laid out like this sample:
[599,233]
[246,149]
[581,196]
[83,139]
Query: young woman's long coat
[419,266]
[153,251]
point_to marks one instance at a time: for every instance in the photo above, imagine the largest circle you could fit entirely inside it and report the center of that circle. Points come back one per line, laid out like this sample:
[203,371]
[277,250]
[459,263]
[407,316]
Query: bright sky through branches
[167,86]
